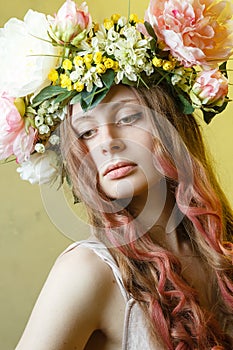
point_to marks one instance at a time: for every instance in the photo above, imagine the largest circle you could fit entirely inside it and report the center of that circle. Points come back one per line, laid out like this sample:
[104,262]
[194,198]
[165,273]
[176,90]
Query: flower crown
[50,62]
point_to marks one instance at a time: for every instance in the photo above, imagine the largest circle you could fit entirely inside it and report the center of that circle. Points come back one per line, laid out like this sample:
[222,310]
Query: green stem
[6,161]
[43,55]
[129,10]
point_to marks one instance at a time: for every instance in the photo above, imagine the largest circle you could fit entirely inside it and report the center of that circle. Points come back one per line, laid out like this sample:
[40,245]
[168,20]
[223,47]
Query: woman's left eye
[129,119]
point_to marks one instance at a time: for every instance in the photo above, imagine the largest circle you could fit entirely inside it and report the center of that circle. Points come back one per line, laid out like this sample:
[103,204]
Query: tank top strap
[102,251]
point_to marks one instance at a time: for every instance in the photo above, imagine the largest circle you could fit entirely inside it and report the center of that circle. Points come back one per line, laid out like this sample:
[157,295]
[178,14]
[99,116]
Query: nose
[111,143]
[112,146]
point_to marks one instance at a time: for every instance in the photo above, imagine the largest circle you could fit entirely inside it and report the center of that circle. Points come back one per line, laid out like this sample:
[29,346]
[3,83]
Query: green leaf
[88,96]
[76,99]
[223,69]
[47,93]
[62,97]
[153,45]
[126,81]
[99,96]
[187,107]
[150,30]
[208,116]
[92,99]
[84,105]
[108,78]
[75,198]
[221,109]
[195,100]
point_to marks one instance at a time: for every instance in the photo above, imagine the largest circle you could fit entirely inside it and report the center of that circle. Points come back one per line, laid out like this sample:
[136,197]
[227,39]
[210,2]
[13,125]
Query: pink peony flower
[14,140]
[197,32]
[69,22]
[210,87]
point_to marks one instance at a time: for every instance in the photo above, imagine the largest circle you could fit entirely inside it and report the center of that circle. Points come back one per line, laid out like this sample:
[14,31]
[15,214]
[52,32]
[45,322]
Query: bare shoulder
[81,260]
[83,269]
[83,281]
[71,303]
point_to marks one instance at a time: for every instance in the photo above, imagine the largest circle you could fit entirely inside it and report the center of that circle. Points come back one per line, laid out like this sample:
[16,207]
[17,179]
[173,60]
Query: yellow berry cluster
[53,75]
[109,23]
[167,65]
[102,63]
[134,18]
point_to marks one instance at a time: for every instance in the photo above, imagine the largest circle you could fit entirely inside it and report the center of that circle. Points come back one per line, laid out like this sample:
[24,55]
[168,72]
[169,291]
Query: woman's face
[118,138]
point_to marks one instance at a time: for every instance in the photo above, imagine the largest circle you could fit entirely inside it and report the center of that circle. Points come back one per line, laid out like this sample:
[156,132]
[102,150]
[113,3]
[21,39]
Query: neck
[154,207]
[155,212]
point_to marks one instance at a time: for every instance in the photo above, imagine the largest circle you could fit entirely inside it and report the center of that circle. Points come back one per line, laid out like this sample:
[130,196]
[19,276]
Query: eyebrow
[83,116]
[123,100]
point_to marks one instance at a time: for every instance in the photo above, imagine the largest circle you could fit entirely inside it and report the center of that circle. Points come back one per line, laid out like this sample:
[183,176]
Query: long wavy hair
[152,274]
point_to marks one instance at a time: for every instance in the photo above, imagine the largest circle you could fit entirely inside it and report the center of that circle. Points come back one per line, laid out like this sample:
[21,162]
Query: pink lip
[121,169]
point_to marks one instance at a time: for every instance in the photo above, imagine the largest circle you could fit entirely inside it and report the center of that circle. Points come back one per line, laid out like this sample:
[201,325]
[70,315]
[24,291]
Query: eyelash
[133,118]
[82,135]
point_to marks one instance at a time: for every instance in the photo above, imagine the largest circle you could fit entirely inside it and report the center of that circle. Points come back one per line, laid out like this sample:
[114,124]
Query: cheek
[143,138]
[97,160]
[94,152]
[87,165]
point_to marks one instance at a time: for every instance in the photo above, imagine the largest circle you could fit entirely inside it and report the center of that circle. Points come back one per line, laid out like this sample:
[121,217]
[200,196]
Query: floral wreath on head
[49,62]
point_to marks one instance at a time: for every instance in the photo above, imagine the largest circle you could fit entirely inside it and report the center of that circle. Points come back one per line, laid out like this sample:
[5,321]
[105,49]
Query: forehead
[118,96]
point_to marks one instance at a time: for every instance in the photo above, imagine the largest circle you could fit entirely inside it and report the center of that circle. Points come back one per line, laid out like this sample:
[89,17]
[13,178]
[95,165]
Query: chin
[124,189]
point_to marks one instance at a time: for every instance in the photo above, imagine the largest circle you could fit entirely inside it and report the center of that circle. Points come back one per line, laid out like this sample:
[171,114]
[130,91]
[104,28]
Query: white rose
[23,57]
[41,168]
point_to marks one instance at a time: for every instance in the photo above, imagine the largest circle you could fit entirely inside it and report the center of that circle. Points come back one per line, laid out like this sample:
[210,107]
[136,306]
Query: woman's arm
[70,305]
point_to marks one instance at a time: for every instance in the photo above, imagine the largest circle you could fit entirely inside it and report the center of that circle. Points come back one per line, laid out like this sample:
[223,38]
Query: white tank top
[136,334]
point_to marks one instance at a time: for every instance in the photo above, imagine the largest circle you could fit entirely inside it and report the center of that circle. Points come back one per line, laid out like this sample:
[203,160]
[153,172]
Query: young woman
[155,273]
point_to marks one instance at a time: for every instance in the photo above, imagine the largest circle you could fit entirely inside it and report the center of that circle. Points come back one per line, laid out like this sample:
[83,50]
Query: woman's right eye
[87,134]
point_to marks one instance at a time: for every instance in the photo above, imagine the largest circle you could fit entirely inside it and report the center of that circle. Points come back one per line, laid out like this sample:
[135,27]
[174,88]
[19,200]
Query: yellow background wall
[33,228]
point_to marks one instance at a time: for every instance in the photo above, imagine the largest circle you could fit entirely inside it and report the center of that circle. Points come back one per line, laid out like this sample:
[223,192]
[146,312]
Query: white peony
[24,59]
[41,168]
